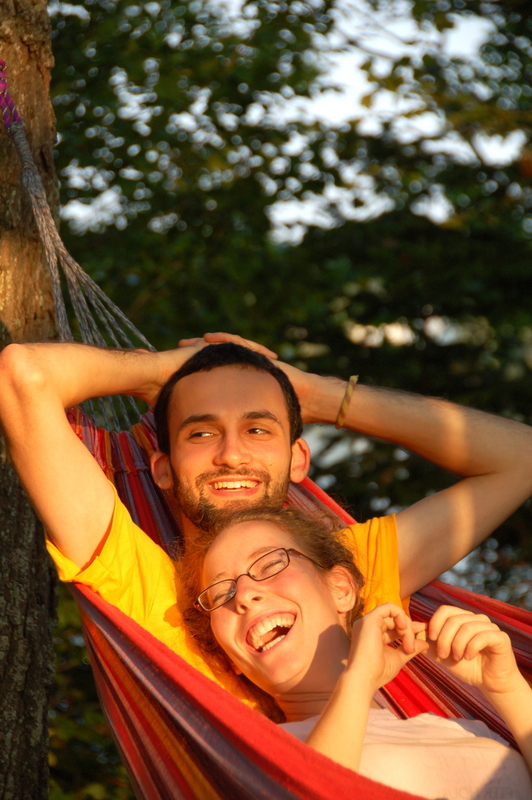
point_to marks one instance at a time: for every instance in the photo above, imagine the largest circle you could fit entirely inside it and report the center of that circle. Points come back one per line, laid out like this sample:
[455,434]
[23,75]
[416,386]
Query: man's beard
[204,514]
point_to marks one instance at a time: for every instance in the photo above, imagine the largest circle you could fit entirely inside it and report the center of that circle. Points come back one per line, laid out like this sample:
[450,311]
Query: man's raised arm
[66,486]
[491,453]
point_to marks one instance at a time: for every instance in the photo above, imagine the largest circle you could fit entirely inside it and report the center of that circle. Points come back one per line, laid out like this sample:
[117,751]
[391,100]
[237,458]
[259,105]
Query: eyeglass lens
[263,568]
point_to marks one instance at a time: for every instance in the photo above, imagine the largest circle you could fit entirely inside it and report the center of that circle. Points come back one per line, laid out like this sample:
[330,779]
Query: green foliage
[187,120]
[84,763]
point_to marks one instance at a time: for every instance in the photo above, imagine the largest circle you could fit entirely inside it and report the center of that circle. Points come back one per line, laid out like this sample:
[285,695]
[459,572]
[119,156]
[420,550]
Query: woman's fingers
[496,640]
[455,643]
[396,624]
[453,629]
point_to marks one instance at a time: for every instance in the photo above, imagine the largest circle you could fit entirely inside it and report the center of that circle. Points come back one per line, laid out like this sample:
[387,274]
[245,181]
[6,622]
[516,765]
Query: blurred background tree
[219,173]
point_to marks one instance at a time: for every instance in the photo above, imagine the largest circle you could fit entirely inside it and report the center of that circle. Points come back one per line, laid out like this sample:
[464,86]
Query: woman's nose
[248,591]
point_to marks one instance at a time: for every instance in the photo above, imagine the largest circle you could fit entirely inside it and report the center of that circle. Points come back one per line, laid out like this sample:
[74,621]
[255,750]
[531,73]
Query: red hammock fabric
[180,734]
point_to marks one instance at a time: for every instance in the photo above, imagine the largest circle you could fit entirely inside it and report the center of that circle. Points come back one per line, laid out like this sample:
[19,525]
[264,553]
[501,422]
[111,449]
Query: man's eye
[201,434]
[258,430]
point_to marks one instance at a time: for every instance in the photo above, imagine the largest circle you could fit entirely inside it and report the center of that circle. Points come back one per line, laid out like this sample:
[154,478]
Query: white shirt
[437,758]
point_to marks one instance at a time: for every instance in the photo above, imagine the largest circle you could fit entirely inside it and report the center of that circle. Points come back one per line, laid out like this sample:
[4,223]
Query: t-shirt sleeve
[128,569]
[374,544]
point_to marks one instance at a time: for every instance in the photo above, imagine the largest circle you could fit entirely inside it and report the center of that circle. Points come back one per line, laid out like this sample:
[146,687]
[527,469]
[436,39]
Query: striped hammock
[180,734]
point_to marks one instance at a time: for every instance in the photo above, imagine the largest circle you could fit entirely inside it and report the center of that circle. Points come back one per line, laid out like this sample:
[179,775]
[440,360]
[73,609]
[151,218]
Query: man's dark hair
[226,355]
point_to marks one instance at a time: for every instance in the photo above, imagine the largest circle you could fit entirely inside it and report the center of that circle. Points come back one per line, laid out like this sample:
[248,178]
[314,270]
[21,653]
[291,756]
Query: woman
[278,592]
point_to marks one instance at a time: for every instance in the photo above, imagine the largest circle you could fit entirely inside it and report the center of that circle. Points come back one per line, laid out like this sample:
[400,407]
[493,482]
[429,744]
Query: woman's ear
[342,587]
[234,667]
[161,470]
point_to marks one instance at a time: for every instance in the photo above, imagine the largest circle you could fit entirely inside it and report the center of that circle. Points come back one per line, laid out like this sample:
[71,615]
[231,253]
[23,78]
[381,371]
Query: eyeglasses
[265,567]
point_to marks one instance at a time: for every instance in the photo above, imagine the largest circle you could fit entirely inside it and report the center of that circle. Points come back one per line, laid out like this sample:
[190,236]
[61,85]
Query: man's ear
[300,462]
[342,587]
[161,470]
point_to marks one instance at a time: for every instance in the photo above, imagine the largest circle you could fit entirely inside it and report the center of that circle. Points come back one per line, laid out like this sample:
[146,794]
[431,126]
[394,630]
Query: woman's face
[285,633]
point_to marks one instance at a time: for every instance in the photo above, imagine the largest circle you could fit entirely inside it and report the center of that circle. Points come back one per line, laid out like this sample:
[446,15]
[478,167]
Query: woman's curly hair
[316,537]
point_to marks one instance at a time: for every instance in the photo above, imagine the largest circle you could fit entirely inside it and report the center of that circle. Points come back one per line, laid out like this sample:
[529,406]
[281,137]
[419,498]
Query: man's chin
[214,516]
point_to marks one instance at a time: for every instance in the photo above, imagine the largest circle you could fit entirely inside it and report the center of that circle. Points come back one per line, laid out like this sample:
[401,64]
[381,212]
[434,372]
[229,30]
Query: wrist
[323,399]
[357,678]
[510,693]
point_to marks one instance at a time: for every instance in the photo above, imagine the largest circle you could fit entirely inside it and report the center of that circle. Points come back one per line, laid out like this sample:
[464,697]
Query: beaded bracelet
[340,419]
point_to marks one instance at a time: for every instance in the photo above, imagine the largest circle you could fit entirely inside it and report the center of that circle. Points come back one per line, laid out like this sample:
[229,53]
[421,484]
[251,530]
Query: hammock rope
[105,317]
[180,734]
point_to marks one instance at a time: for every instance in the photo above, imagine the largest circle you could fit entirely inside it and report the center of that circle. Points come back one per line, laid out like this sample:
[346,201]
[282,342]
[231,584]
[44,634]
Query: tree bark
[26,314]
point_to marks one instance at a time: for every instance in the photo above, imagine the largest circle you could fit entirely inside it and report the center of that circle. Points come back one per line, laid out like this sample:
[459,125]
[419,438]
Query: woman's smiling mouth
[269,631]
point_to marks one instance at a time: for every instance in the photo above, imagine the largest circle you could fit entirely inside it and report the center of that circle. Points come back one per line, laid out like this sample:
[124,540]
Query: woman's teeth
[270,631]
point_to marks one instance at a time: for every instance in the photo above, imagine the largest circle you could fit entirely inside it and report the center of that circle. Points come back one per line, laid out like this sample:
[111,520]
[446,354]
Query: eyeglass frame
[287,550]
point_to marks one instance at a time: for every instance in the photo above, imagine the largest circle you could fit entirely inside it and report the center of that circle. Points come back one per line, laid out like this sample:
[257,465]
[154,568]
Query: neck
[299,706]
[188,529]
[309,698]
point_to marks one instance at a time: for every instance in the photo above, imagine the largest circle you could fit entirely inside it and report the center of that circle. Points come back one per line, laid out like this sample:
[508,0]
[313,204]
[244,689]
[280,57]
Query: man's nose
[232,451]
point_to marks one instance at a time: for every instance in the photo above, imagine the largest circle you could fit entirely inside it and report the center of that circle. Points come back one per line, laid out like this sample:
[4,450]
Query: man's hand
[304,383]
[221,338]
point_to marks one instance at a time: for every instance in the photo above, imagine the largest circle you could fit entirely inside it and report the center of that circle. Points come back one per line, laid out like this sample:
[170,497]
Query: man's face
[229,443]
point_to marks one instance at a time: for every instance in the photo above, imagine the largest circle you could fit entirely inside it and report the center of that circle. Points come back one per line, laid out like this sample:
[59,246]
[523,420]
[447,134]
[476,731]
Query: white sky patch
[467,36]
[499,151]
[452,145]
[68,10]
[359,32]
[106,209]
[434,205]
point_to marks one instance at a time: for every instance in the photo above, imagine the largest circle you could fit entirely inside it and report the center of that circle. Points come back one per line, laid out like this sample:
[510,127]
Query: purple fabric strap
[7,106]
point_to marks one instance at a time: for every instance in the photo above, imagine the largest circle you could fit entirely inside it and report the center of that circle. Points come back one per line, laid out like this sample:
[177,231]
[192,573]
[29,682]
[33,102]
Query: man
[231,442]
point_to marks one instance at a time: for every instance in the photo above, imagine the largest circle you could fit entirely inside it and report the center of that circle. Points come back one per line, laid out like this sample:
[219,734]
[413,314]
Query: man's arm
[66,486]
[492,454]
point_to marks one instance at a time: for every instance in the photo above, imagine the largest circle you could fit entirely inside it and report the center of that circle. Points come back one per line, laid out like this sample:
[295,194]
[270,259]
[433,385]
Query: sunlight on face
[284,633]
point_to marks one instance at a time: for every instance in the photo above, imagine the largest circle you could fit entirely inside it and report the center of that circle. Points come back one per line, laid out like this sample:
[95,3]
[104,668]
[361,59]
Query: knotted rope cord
[83,291]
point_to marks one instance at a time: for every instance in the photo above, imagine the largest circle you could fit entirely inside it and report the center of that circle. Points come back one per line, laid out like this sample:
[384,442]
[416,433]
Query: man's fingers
[220,338]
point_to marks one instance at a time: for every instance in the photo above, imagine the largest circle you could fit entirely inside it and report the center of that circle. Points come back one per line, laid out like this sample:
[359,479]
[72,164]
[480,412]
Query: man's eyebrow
[264,414]
[193,418]
[250,415]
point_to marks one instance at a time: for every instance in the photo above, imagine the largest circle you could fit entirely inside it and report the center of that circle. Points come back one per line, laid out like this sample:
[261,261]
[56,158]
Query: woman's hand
[370,653]
[474,649]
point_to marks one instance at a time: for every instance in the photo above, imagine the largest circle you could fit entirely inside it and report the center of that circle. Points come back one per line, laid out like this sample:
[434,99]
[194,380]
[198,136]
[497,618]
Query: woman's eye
[271,566]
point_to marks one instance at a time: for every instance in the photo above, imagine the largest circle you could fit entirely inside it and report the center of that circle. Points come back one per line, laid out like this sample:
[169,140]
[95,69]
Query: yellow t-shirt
[136,575]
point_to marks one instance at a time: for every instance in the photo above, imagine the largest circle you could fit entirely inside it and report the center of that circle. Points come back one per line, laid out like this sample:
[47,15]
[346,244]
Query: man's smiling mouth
[235,484]
[270,631]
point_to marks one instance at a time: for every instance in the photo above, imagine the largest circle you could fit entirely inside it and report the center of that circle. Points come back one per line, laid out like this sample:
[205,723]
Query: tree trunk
[26,314]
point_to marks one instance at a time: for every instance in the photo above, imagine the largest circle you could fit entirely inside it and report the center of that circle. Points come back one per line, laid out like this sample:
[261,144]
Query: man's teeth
[270,631]
[234,484]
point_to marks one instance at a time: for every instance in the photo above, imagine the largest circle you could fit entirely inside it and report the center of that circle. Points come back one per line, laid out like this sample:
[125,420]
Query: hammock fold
[183,736]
